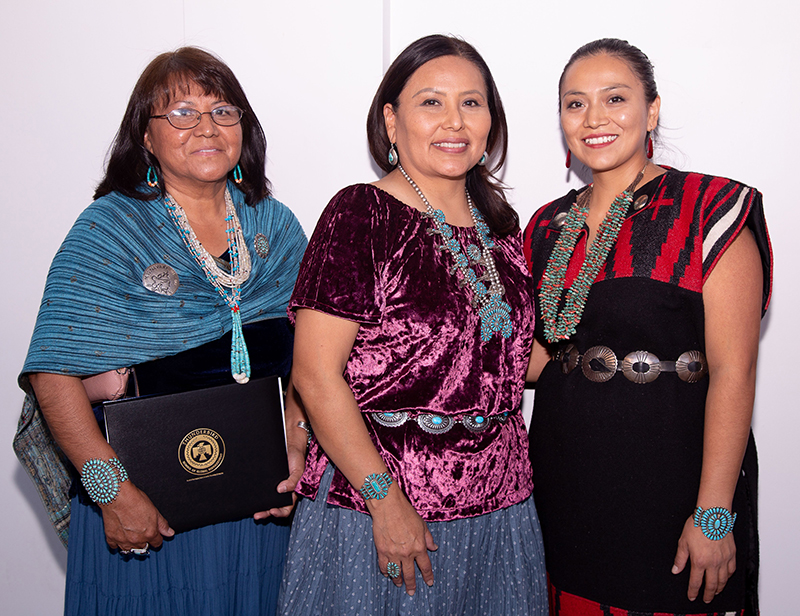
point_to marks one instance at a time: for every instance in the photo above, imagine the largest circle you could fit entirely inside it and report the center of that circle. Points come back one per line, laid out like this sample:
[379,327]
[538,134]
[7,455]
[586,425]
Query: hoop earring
[569,158]
[649,145]
[152,177]
[237,174]
[393,158]
[482,161]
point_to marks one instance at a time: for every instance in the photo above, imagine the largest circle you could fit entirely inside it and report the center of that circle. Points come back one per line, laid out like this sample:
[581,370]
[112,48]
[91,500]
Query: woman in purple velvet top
[414,325]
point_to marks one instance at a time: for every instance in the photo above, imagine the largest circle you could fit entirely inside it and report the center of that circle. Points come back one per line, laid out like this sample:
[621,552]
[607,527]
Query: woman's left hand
[713,560]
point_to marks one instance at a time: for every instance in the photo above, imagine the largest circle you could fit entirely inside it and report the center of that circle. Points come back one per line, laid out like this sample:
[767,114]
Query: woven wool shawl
[96,315]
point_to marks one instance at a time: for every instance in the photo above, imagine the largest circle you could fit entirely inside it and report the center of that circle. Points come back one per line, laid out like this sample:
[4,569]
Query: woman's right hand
[132,521]
[402,537]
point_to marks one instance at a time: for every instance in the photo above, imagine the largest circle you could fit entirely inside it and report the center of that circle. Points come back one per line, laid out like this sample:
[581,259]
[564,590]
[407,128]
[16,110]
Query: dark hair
[486,191]
[168,75]
[634,57]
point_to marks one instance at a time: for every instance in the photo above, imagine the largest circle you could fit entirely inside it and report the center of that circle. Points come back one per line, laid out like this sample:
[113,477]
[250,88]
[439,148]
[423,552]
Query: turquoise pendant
[240,358]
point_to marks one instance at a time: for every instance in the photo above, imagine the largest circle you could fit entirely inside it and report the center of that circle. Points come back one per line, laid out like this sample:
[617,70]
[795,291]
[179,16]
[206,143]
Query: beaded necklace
[240,272]
[495,314]
[560,326]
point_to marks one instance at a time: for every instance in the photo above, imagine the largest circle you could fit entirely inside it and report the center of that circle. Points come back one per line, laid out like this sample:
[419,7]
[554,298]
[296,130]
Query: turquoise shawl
[96,315]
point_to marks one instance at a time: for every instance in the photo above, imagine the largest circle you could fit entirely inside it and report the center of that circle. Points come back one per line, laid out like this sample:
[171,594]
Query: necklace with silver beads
[220,279]
[487,290]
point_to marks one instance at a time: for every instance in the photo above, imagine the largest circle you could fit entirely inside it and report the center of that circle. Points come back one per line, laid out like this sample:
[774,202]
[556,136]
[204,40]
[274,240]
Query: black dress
[616,463]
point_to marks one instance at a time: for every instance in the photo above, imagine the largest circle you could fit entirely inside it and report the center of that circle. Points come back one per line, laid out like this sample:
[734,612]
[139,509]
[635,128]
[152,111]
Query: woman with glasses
[182,269]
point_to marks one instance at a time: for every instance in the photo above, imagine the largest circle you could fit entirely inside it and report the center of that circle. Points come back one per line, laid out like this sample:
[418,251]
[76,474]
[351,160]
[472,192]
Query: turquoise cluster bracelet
[715,522]
[102,478]
[376,486]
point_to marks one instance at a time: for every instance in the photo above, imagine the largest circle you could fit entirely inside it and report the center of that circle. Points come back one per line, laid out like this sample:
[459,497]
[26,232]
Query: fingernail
[410,593]
[674,568]
[429,583]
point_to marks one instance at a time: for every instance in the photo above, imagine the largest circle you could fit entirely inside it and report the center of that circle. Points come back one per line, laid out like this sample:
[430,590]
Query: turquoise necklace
[560,326]
[494,313]
[240,272]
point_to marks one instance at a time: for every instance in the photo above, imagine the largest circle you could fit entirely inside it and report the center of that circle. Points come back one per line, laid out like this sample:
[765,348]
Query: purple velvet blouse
[371,260]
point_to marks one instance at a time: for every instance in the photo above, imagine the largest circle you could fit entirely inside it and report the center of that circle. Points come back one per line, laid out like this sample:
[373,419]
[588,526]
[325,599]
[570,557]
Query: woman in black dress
[650,286]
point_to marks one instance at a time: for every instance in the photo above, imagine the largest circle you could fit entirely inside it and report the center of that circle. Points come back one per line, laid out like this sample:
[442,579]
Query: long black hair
[486,191]
[167,76]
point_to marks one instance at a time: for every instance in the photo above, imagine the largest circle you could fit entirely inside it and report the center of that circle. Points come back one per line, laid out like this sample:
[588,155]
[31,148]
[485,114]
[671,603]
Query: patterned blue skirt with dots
[489,564]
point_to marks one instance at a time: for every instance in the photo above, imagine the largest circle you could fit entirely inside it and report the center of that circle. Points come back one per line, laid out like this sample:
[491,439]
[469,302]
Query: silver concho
[559,220]
[391,420]
[599,364]
[640,202]
[568,358]
[160,278]
[476,423]
[641,367]
[435,424]
[261,245]
[691,366]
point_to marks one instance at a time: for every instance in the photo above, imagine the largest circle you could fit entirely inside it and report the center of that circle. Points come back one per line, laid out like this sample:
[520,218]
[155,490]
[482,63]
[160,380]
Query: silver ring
[141,551]
[124,552]
[393,570]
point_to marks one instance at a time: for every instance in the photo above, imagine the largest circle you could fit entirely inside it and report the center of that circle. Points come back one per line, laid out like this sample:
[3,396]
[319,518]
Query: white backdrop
[727,77]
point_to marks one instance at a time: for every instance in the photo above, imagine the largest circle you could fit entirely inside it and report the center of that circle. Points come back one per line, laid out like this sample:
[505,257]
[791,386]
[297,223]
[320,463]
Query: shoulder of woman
[704,181]
[357,204]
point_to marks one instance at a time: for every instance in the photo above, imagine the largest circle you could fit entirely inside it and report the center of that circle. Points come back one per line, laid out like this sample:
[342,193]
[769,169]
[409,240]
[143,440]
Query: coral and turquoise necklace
[495,314]
[240,272]
[560,326]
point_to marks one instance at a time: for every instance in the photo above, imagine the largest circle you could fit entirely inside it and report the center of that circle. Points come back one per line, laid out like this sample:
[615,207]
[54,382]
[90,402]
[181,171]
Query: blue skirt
[489,564]
[230,568]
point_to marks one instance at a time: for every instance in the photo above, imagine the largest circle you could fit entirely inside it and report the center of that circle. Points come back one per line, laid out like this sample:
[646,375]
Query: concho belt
[439,424]
[600,363]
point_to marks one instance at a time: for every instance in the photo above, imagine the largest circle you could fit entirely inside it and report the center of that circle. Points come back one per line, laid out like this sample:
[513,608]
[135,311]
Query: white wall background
[727,76]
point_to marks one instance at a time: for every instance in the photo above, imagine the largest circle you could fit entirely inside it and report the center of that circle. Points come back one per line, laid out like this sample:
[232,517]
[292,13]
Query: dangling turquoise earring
[152,177]
[482,161]
[393,157]
[237,174]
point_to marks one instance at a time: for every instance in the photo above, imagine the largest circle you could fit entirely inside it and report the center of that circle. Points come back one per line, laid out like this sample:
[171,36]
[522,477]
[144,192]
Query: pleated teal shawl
[96,315]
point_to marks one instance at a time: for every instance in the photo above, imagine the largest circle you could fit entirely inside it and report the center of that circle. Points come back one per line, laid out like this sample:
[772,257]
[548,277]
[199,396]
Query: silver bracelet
[307,427]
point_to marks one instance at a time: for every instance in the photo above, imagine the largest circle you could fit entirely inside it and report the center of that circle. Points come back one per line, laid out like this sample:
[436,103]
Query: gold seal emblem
[201,451]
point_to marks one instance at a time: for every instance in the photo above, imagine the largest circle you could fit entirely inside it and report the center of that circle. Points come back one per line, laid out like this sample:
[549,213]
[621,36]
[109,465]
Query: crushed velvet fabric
[372,261]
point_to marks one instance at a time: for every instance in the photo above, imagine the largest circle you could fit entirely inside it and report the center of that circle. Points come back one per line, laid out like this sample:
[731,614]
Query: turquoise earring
[152,177]
[237,174]
[393,157]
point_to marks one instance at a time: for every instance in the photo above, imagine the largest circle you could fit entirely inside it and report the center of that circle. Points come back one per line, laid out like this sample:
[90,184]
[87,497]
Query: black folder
[204,456]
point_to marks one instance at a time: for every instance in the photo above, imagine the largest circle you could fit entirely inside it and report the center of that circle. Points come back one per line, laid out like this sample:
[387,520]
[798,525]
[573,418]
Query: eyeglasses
[227,115]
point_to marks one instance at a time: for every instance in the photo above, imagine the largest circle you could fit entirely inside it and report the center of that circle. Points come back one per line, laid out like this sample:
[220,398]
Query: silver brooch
[559,220]
[261,244]
[160,278]
[640,202]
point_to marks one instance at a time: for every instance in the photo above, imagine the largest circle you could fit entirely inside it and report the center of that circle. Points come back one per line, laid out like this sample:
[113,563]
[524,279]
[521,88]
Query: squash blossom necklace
[219,278]
[560,326]
[494,313]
